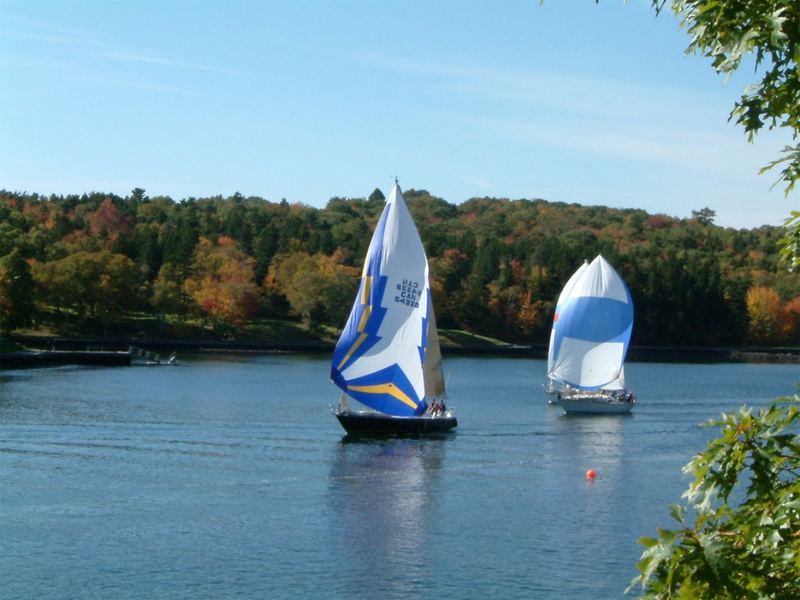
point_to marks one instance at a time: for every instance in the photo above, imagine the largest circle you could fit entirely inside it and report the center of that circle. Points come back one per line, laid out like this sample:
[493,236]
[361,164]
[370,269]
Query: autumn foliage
[497,265]
[221,284]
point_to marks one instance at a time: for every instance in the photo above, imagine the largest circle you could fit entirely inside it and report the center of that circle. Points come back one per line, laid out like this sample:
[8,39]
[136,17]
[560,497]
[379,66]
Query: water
[227,477]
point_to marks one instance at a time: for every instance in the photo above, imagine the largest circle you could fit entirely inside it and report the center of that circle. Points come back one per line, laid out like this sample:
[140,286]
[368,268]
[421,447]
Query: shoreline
[84,348]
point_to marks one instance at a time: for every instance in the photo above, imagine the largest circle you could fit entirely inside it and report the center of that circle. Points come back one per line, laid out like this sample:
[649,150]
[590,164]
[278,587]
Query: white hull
[595,404]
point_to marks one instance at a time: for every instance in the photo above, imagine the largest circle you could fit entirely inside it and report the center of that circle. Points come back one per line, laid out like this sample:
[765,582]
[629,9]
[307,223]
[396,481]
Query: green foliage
[790,243]
[169,295]
[319,288]
[704,215]
[738,532]
[16,292]
[497,265]
[103,284]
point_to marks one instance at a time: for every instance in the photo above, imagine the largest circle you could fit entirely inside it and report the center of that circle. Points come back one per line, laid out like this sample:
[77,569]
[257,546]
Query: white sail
[593,329]
[562,300]
[618,383]
[378,359]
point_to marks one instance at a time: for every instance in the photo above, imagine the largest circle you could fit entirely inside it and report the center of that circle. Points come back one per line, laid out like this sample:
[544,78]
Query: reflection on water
[230,478]
[381,501]
[597,437]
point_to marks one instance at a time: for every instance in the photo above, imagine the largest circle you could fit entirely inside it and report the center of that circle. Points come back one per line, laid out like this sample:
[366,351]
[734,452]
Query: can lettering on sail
[408,293]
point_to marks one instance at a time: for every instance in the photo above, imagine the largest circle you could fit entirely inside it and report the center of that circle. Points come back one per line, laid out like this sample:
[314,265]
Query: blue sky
[570,101]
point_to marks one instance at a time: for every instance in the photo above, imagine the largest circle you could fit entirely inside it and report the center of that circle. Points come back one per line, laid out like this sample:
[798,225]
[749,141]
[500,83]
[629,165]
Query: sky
[567,101]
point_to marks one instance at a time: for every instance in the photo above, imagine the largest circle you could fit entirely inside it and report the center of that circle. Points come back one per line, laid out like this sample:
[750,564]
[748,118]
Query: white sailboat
[589,341]
[388,356]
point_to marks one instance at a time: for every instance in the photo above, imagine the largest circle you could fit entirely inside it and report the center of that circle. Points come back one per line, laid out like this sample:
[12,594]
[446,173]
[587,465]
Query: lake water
[227,477]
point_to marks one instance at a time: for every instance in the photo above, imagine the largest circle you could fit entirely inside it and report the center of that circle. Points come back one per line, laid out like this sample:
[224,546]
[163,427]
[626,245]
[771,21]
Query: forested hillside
[497,265]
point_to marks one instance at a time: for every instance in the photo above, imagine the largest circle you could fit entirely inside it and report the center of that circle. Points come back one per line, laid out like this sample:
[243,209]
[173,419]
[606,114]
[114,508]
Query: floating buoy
[591,474]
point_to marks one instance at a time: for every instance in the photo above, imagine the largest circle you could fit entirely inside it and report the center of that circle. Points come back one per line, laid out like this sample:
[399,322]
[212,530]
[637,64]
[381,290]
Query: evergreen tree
[16,289]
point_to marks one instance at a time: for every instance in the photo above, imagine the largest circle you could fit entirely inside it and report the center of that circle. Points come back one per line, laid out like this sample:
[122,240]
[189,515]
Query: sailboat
[591,332]
[388,356]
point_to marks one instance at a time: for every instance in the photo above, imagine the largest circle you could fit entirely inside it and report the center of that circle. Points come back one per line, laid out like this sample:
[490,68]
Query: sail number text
[408,293]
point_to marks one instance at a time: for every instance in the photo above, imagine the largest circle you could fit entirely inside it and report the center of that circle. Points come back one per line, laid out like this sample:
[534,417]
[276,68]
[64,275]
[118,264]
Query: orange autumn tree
[221,283]
[766,314]
[792,310]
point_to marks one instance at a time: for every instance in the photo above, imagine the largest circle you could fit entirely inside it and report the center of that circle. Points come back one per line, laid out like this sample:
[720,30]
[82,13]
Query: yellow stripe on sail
[362,323]
[385,388]
[365,317]
[366,290]
[353,348]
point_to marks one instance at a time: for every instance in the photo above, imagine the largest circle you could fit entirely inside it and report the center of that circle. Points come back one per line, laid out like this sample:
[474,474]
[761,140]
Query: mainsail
[432,367]
[593,328]
[379,357]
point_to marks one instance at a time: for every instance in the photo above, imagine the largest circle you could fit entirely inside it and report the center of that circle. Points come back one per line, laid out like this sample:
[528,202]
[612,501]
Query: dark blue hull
[363,423]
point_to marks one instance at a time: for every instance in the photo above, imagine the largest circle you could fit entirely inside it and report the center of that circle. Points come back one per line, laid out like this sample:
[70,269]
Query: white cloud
[151,59]
[94,47]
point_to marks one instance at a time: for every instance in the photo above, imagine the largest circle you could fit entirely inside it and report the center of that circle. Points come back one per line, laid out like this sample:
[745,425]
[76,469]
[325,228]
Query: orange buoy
[591,474]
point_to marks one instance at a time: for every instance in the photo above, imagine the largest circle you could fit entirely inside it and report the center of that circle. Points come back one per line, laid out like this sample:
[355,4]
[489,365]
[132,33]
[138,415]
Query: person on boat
[437,407]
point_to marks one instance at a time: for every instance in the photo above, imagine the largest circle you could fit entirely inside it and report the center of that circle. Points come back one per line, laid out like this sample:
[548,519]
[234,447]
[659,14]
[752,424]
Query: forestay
[379,357]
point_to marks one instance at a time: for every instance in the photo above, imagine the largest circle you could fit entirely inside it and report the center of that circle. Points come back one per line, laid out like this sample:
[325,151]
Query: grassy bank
[261,333]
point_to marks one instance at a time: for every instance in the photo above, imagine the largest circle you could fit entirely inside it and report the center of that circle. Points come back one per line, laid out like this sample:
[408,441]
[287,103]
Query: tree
[792,309]
[743,538]
[16,291]
[169,296]
[108,222]
[319,288]
[727,31]
[766,315]
[376,197]
[222,283]
[115,289]
[704,216]
[6,308]
[102,284]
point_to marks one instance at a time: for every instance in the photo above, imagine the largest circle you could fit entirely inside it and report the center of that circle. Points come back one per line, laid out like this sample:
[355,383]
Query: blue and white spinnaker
[379,357]
[592,329]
